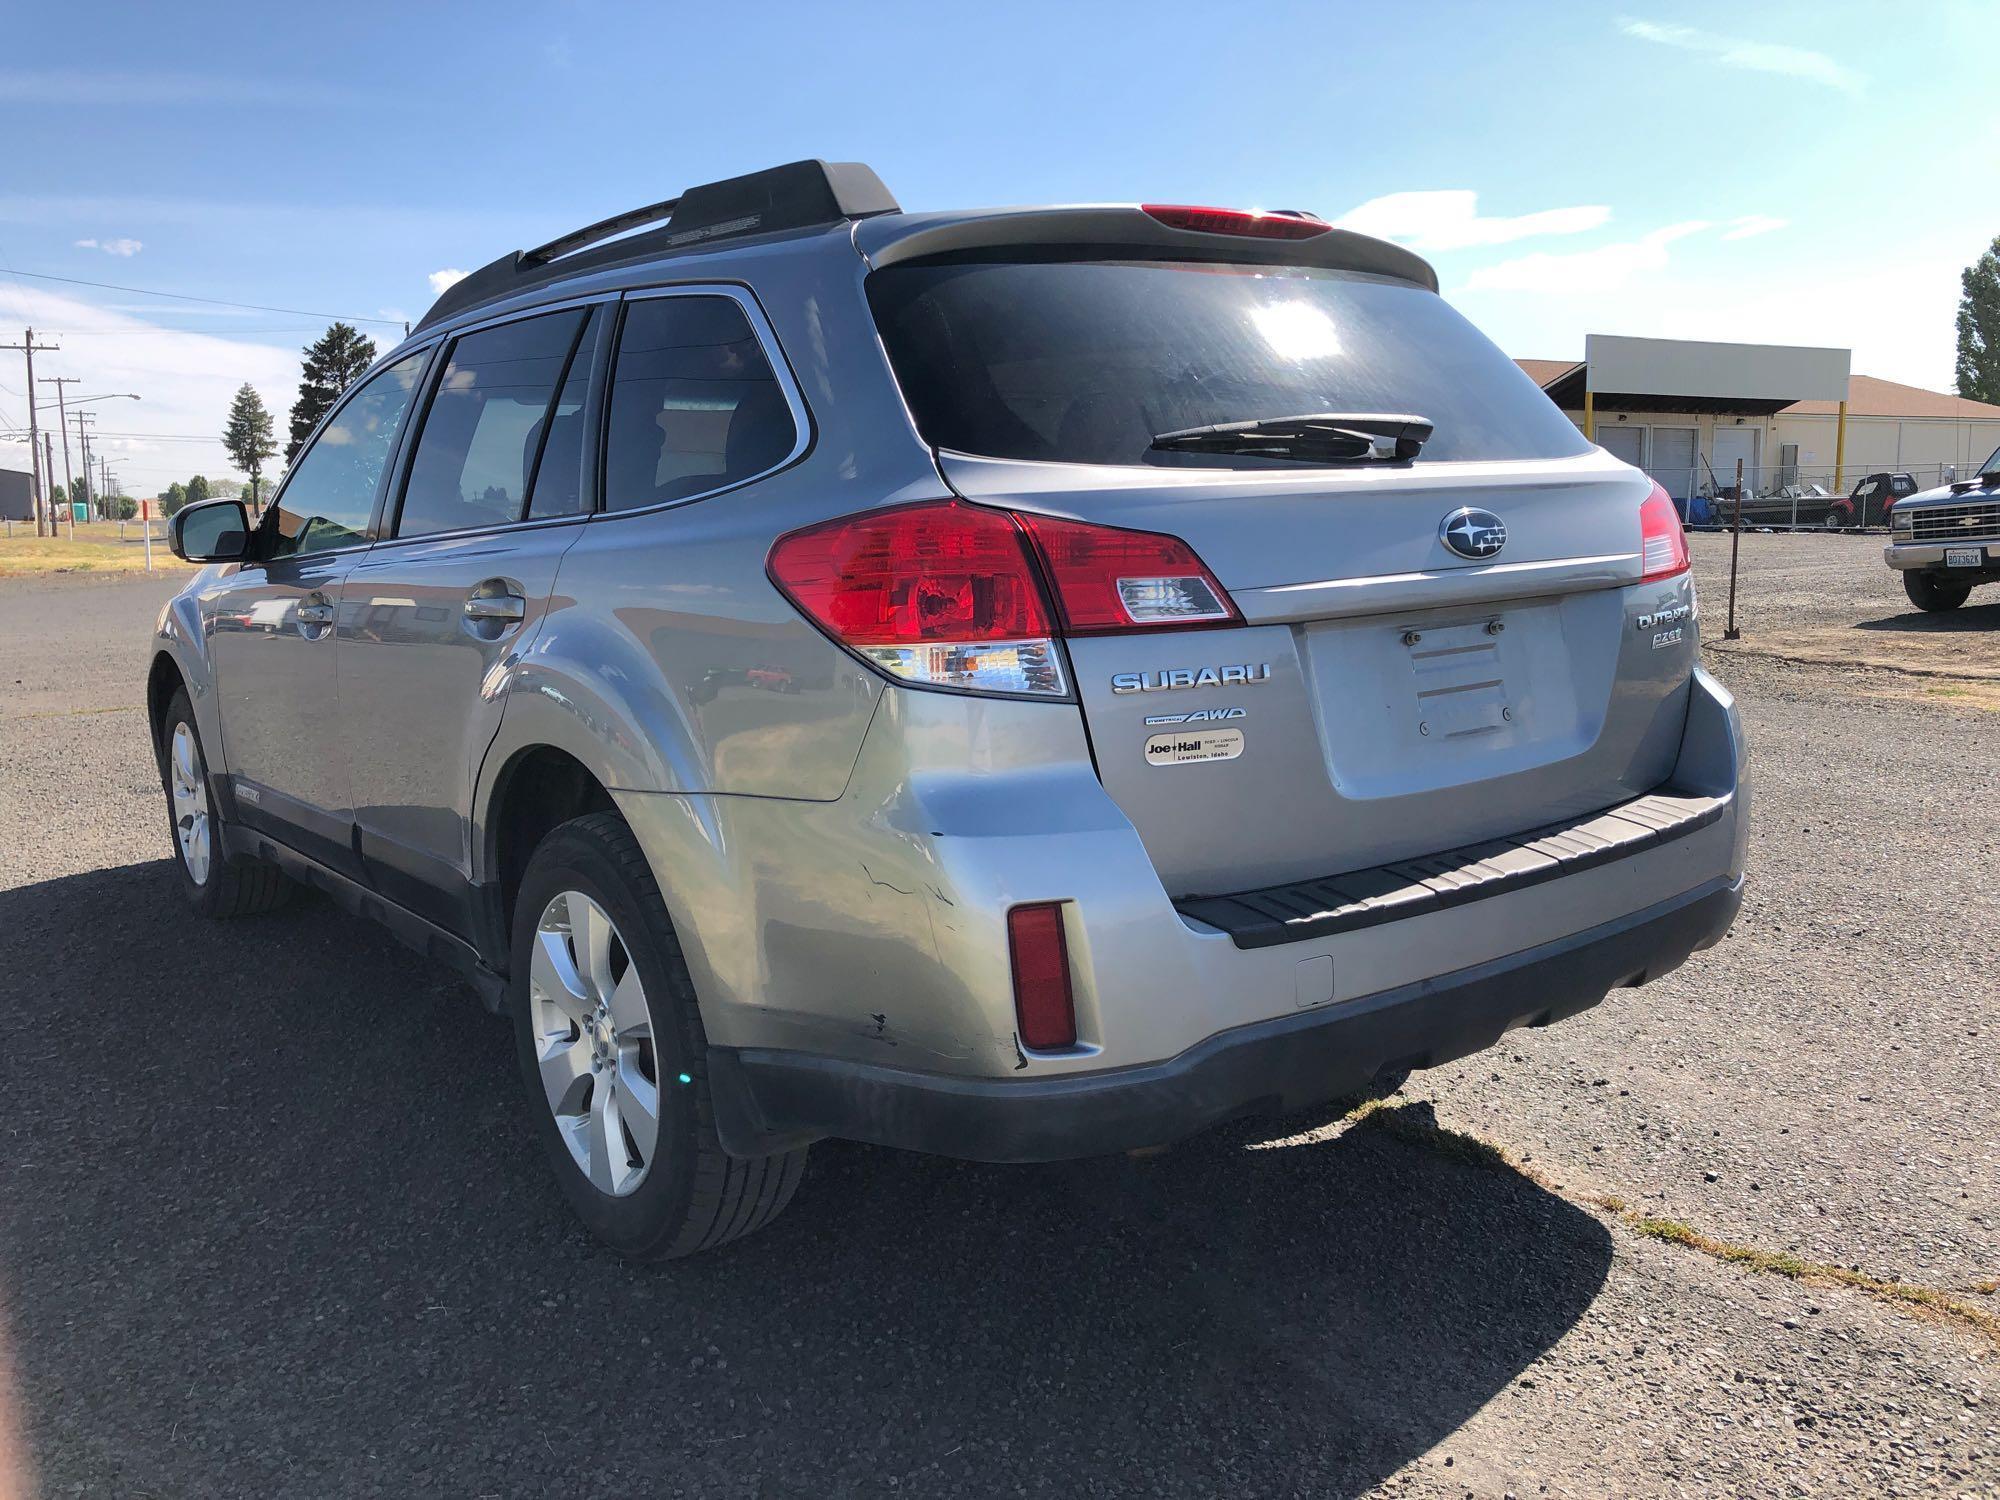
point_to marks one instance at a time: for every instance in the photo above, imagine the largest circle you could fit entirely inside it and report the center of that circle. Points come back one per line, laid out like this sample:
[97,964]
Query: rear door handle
[496,607]
[315,614]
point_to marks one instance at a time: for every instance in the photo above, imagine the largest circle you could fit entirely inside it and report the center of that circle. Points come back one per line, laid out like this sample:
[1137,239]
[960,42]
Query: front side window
[694,404]
[489,427]
[330,494]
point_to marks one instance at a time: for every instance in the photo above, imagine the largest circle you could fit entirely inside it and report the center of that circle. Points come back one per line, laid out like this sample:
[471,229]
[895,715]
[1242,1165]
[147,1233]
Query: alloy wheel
[187,784]
[593,1034]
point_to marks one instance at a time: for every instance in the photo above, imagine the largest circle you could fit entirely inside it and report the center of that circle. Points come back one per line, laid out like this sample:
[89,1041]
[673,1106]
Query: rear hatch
[1382,695]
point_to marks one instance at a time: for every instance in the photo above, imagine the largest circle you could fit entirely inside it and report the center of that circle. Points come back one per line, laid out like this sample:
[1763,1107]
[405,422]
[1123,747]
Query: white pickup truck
[1946,541]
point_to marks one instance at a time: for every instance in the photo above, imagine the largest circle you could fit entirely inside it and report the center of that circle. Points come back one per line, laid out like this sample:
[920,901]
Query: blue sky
[1805,173]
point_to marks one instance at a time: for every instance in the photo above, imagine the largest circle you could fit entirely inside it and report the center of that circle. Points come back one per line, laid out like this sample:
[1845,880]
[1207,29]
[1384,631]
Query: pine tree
[333,362]
[175,498]
[1979,328]
[248,435]
[197,490]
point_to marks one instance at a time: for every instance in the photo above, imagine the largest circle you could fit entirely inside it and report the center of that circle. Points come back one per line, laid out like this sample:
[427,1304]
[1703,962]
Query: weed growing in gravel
[1416,1123]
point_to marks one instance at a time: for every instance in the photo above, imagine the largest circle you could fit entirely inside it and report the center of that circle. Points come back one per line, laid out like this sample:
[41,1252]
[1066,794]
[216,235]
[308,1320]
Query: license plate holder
[1460,681]
[1965,557]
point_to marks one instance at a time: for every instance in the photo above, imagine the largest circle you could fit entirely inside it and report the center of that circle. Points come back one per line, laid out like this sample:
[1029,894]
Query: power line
[196,333]
[146,291]
[157,437]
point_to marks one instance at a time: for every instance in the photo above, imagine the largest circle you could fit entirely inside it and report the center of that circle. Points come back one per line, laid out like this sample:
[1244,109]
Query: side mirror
[210,532]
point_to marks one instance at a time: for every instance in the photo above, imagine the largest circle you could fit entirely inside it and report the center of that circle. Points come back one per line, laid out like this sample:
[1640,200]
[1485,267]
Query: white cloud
[1740,52]
[1751,225]
[1603,269]
[444,281]
[1449,219]
[1893,306]
[185,381]
[125,248]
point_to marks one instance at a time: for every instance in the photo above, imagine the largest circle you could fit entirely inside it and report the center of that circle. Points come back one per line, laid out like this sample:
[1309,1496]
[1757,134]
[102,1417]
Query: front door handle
[312,614]
[496,607]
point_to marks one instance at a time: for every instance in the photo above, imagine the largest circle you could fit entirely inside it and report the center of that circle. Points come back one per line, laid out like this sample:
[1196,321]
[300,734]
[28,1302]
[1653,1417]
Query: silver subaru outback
[1016,685]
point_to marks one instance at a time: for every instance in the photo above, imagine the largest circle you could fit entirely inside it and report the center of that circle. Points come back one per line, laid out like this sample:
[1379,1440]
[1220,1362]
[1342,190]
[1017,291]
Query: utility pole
[62,421]
[83,442]
[29,348]
[49,468]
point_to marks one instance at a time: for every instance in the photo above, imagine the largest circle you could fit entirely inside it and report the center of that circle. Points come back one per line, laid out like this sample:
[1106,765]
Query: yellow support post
[1590,413]
[1840,451]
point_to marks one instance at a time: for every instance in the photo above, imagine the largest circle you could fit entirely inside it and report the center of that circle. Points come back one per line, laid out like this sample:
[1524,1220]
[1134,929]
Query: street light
[80,400]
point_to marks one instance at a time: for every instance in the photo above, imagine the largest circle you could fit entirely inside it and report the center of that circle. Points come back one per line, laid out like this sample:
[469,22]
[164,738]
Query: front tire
[215,882]
[1933,594]
[614,1058]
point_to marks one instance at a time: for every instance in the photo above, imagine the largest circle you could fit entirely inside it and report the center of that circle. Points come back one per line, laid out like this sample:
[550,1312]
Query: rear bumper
[1293,1062]
[850,957]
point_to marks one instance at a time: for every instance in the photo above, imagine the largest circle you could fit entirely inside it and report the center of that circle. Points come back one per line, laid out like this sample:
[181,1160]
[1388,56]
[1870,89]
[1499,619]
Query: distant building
[16,496]
[1686,412]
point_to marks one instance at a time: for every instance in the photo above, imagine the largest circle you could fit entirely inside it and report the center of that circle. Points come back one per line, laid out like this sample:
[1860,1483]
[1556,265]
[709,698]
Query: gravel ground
[271,1221]
[1822,599]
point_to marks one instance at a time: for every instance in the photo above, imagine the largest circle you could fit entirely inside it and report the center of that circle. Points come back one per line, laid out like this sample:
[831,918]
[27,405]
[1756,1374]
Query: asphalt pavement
[272,1221]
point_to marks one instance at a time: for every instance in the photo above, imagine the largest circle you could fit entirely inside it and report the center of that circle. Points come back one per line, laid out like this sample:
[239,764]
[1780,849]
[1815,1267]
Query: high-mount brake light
[1663,548]
[1236,221]
[955,595]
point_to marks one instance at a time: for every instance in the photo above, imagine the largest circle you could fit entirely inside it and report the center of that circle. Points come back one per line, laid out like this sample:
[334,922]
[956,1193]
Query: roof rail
[798,195]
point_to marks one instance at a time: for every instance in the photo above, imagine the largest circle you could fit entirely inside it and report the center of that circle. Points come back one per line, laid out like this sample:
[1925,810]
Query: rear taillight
[1663,547]
[954,595]
[1280,226]
[941,593]
[1040,959]
[1107,579]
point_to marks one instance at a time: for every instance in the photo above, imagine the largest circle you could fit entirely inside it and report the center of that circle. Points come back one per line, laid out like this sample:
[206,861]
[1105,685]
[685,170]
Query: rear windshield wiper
[1316,437]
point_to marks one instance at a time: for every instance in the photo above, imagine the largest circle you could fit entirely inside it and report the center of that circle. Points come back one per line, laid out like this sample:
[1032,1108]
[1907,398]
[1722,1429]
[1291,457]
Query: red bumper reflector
[1040,960]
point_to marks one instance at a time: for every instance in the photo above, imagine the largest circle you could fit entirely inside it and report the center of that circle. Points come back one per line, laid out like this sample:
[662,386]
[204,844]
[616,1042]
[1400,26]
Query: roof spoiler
[798,195]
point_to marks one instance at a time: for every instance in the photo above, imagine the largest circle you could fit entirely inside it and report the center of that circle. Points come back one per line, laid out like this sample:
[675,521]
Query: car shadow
[1972,617]
[272,1221]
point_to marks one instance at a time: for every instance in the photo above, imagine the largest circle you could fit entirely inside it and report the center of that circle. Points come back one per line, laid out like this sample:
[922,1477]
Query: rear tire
[215,882]
[1933,594]
[614,1057]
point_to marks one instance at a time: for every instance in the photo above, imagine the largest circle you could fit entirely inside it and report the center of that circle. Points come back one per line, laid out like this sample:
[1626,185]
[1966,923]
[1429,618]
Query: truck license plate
[1965,557]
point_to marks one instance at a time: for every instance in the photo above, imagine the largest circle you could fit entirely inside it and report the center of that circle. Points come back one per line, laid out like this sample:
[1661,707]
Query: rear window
[1086,361]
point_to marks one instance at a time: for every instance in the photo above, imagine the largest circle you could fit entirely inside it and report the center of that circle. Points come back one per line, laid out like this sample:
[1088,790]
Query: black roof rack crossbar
[798,195]
[603,229]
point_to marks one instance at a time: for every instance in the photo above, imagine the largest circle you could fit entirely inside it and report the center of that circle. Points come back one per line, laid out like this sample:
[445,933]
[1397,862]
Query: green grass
[30,556]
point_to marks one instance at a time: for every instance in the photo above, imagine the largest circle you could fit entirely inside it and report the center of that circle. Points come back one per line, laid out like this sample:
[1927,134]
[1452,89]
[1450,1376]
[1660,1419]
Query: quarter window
[489,426]
[694,404]
[330,495]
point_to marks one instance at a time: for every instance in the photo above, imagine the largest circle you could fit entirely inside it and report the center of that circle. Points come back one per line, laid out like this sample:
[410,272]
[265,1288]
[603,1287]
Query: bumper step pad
[1411,887]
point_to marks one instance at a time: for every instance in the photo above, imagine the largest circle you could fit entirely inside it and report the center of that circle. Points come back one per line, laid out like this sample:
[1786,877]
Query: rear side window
[493,418]
[1087,361]
[694,404]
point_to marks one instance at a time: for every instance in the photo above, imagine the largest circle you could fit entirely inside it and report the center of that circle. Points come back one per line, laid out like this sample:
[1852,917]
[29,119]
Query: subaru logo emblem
[1473,533]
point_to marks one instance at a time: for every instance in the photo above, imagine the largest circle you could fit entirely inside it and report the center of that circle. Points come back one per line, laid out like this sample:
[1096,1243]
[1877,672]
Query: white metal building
[1686,411]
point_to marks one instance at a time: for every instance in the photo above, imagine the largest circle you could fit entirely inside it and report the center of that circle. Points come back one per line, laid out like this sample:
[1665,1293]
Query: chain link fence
[1799,497]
